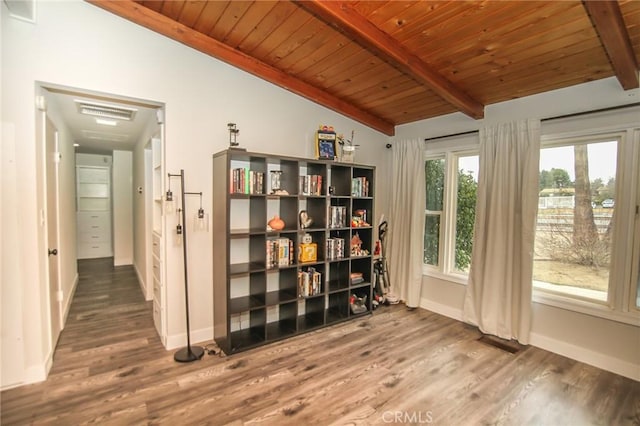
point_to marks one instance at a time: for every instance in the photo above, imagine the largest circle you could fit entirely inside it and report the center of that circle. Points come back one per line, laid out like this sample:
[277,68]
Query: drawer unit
[157,288]
[88,250]
[156,245]
[157,272]
[158,302]
[94,235]
[93,221]
[157,317]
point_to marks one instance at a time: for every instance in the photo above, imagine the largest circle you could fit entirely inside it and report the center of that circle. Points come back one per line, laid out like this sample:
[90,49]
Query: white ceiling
[95,138]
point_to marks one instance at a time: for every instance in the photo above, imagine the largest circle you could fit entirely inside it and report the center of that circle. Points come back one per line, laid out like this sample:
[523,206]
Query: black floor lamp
[189,353]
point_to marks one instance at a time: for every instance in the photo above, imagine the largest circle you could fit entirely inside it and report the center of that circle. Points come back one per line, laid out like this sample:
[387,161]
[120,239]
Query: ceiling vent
[102,136]
[105,110]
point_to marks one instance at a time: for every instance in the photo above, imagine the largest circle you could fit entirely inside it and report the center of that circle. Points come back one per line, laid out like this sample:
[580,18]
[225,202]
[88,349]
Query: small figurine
[275,224]
[305,220]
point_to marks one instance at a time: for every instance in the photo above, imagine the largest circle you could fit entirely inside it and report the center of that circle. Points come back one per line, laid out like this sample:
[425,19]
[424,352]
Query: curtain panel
[498,295]
[406,223]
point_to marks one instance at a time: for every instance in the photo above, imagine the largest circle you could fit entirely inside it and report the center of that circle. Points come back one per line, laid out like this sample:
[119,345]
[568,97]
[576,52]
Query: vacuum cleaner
[382,287]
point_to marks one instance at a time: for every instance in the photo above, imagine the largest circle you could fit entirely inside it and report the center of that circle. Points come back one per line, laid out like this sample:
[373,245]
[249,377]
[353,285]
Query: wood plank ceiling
[386,63]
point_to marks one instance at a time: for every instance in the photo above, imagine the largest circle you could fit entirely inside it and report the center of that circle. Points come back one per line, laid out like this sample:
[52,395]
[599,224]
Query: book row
[279,252]
[309,282]
[335,248]
[337,217]
[245,181]
[310,185]
[360,187]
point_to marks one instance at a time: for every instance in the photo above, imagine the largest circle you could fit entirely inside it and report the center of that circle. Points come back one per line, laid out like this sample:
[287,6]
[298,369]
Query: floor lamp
[189,353]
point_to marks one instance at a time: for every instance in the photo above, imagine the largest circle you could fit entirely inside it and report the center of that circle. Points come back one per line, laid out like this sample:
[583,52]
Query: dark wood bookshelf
[255,305]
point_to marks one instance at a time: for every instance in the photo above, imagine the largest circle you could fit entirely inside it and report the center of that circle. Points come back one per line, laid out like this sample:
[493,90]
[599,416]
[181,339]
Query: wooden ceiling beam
[161,24]
[607,20]
[344,18]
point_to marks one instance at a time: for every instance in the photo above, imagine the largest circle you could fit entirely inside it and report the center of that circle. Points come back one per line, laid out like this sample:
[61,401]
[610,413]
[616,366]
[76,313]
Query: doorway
[80,122]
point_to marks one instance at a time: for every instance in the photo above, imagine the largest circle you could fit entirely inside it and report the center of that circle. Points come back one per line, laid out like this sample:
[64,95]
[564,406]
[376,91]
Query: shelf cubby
[316,208]
[284,322]
[338,308]
[341,181]
[339,275]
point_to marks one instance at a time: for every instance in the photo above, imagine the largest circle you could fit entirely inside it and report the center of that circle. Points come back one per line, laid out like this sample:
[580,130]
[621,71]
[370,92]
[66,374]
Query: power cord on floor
[212,349]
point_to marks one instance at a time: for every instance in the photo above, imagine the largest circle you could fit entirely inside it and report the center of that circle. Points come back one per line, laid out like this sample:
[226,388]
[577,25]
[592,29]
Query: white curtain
[498,296]
[406,223]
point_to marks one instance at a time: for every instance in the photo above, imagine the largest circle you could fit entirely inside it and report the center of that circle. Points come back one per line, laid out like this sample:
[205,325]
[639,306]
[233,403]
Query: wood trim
[163,25]
[347,20]
[607,20]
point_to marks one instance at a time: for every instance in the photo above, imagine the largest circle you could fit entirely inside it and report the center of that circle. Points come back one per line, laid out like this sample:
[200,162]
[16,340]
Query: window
[451,183]
[575,223]
[587,241]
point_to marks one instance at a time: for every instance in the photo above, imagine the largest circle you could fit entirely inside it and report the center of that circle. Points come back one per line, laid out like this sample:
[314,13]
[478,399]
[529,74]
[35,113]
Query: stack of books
[335,248]
[356,278]
[279,252]
[309,283]
[359,187]
[337,216]
[310,185]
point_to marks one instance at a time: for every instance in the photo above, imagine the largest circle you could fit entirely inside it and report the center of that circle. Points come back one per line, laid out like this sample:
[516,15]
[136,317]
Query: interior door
[52,159]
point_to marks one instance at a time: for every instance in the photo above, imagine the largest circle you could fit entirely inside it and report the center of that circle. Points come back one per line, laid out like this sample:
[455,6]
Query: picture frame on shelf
[326,144]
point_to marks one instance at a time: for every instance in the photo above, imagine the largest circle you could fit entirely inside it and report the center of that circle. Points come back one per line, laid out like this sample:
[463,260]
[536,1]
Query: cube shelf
[259,287]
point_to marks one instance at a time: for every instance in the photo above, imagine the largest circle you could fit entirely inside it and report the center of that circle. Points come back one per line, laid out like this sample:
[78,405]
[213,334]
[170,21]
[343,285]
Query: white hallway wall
[122,193]
[605,343]
[79,45]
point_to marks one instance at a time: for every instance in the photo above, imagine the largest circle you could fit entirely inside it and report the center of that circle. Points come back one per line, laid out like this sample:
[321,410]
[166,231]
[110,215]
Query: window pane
[431,239]
[575,219]
[434,176]
[466,210]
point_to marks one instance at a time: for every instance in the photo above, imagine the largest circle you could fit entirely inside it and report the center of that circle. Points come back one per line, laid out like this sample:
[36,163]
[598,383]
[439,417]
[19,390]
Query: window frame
[447,239]
[620,303]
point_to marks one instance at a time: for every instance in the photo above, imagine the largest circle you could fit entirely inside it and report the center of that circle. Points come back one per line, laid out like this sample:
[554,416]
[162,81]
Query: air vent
[105,110]
[510,346]
[111,137]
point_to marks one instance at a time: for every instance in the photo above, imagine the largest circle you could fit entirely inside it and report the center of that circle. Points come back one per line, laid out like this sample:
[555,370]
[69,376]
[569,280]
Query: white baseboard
[118,261]
[441,309]
[578,353]
[179,340]
[65,311]
[37,373]
[143,285]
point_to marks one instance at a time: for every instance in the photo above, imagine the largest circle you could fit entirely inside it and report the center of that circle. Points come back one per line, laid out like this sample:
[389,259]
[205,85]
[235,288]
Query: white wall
[79,45]
[605,343]
[122,209]
[12,358]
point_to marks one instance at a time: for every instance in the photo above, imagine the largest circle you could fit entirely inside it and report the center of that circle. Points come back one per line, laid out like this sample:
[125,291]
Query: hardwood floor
[396,366]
